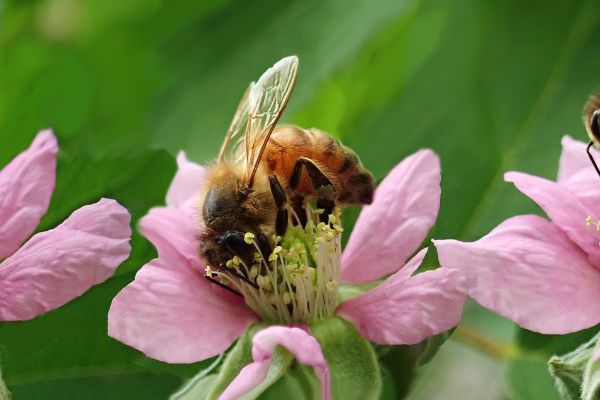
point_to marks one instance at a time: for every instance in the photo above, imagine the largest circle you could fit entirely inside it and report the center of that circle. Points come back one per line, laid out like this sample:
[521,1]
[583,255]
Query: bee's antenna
[592,158]
[216,282]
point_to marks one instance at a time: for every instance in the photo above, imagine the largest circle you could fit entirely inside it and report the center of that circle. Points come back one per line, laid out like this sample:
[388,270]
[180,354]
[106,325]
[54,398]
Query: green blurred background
[490,86]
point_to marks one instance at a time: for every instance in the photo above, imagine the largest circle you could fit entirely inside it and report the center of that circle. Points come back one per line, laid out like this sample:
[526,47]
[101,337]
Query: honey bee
[591,120]
[265,174]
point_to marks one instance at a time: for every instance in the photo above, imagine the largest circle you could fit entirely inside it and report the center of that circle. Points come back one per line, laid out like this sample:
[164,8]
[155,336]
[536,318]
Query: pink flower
[55,266]
[544,275]
[171,313]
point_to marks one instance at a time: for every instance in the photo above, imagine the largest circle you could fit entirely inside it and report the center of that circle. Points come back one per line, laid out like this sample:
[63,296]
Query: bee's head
[591,118]
[230,204]
[594,129]
[219,208]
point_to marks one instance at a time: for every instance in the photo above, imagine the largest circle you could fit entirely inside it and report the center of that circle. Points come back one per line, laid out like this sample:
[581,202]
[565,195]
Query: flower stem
[484,343]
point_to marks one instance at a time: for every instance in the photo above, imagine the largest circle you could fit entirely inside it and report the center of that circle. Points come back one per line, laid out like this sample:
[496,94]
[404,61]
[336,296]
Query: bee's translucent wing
[234,138]
[267,99]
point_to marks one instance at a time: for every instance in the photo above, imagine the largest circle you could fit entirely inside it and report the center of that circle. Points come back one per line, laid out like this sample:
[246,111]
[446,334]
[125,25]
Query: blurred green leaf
[125,386]
[529,380]
[490,86]
[553,344]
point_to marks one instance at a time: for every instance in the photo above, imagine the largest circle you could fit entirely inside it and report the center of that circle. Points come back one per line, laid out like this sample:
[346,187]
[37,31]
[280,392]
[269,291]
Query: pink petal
[529,271]
[56,266]
[411,266]
[573,158]
[391,229]
[585,186]
[563,208]
[26,186]
[405,310]
[173,233]
[186,183]
[171,313]
[301,344]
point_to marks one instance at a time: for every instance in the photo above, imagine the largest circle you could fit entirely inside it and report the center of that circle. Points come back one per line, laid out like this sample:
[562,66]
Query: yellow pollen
[286,298]
[331,285]
[253,271]
[589,221]
[249,237]
[208,271]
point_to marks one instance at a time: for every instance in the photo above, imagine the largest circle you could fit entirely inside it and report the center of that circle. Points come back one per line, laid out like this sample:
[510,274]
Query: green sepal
[197,388]
[590,389]
[575,375]
[207,385]
[351,360]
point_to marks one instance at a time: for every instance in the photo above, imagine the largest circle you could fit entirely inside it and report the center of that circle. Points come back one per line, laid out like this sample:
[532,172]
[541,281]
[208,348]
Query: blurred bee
[591,120]
[265,174]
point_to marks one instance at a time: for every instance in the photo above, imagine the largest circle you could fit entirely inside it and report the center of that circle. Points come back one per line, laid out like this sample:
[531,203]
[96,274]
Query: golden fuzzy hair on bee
[225,183]
[592,105]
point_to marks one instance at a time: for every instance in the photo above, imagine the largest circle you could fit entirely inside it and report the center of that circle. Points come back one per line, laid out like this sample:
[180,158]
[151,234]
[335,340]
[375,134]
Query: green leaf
[122,386]
[553,344]
[351,360]
[528,379]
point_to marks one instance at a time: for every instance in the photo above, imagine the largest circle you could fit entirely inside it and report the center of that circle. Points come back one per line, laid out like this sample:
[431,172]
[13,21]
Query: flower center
[298,282]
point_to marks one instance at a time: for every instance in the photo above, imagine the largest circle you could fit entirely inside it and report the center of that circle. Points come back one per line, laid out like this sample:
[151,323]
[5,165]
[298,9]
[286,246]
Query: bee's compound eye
[595,124]
[218,205]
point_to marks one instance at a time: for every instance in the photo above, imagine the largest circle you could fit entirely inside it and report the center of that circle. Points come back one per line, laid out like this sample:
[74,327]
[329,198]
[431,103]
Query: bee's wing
[267,99]
[238,126]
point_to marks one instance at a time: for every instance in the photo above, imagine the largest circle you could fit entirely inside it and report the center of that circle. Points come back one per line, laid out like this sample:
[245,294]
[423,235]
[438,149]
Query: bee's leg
[264,245]
[320,182]
[281,222]
[299,210]
[211,279]
[234,242]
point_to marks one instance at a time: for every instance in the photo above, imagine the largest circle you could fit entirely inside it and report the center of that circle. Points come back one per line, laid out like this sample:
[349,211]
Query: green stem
[484,343]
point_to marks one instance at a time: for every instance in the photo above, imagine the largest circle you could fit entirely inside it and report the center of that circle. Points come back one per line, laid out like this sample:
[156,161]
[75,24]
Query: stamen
[298,281]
